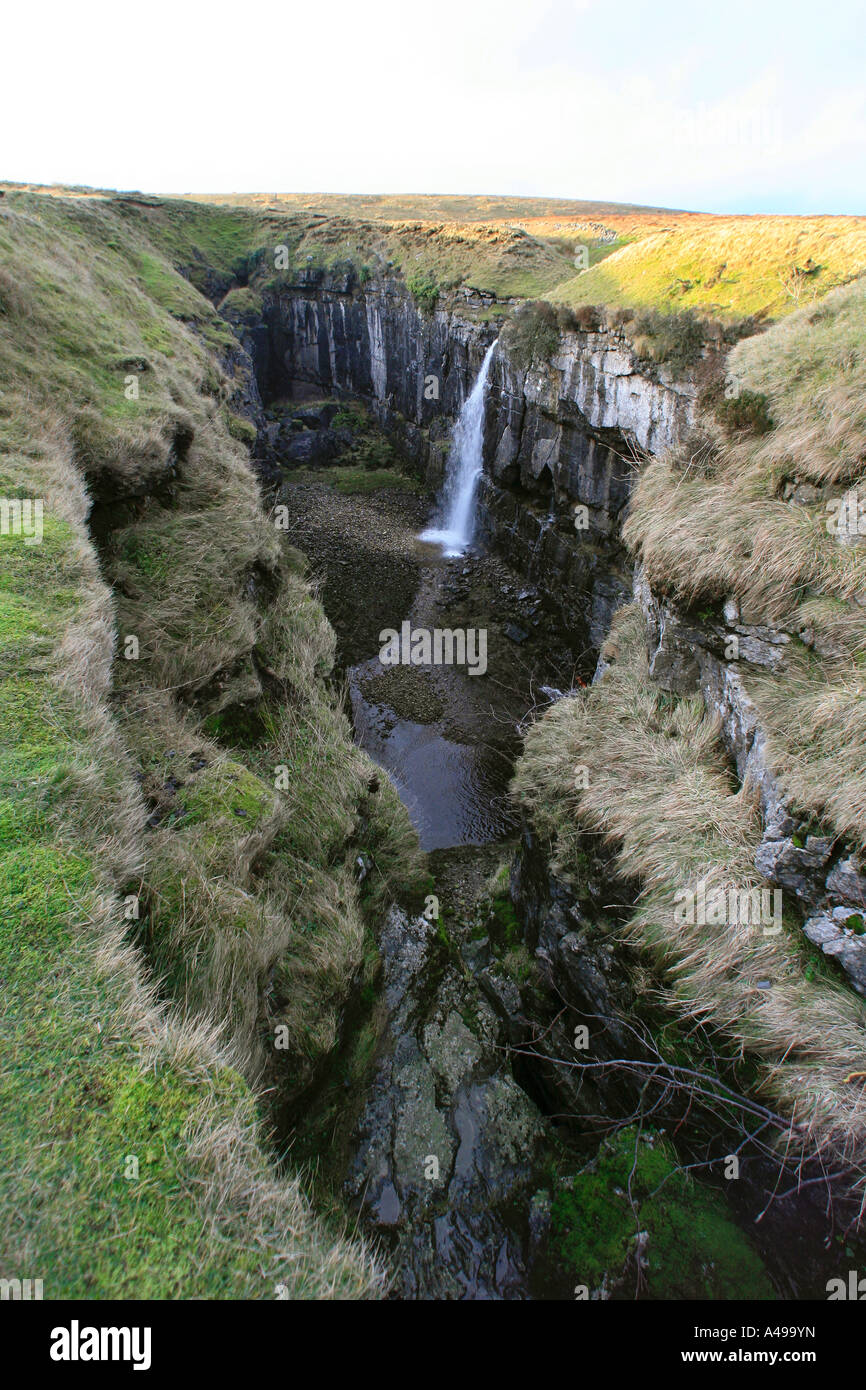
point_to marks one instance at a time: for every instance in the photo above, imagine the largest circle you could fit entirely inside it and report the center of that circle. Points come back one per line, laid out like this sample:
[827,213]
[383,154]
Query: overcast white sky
[749,105]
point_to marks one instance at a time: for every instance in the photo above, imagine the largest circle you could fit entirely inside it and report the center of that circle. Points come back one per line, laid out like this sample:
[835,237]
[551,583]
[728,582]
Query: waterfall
[456,519]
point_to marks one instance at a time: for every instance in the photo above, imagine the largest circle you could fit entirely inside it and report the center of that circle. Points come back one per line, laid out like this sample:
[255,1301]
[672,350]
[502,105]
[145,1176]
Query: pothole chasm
[448,740]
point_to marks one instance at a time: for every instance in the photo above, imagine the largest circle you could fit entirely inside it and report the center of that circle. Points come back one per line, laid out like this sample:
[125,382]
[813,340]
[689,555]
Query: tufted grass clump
[659,792]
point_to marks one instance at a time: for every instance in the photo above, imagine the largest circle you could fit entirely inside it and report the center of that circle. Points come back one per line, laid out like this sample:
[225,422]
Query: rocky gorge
[475,1088]
[432,783]
[564,435]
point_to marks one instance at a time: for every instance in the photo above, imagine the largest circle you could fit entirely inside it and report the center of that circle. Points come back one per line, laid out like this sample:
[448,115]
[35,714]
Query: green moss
[242,306]
[424,289]
[351,417]
[225,790]
[148,555]
[240,726]
[507,929]
[241,429]
[362,480]
[694,1249]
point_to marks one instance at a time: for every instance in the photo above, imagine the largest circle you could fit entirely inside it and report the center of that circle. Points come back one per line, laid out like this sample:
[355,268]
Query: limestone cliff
[563,434]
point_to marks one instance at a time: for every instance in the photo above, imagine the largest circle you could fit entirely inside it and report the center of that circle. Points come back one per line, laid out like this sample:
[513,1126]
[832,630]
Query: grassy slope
[504,261]
[432,207]
[659,789]
[709,525]
[731,514]
[93,1071]
[640,258]
[725,266]
[236,883]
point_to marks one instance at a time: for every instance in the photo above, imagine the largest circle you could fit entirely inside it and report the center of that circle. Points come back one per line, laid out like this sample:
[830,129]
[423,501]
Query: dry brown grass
[709,530]
[706,530]
[659,791]
[703,539]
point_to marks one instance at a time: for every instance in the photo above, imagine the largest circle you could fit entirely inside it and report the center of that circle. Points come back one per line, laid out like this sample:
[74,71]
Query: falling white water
[456,520]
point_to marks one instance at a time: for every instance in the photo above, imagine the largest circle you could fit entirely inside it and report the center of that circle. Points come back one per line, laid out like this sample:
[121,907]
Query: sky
[738,106]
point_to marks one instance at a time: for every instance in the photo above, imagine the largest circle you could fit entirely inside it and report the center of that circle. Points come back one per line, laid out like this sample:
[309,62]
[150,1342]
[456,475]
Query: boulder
[845,943]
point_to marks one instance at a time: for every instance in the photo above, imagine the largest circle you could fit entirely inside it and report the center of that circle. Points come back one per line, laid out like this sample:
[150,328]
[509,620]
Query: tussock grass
[184,578]
[711,521]
[94,1073]
[702,539]
[812,369]
[660,792]
[815,720]
[249,910]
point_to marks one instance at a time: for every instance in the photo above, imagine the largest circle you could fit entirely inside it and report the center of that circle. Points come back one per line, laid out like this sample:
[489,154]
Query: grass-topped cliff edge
[738,515]
[180,800]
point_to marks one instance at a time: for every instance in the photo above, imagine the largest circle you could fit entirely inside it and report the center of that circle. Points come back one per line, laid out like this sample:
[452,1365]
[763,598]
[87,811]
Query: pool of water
[455,792]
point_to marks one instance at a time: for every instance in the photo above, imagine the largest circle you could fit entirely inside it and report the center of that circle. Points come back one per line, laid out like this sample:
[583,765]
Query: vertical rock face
[563,438]
[448,1142]
[321,333]
[563,445]
[689,654]
[586,972]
